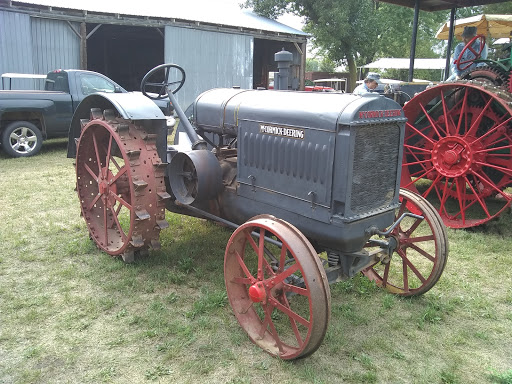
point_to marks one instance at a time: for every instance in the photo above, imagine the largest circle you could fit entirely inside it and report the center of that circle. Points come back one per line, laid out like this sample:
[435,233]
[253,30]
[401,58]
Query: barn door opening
[124,53]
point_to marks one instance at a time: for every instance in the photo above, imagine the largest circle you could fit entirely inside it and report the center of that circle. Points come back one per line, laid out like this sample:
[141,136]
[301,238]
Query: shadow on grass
[500,226]
[55,144]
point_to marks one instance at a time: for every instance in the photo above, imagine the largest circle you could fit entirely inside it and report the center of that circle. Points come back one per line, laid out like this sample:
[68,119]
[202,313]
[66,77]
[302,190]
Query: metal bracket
[253,182]
[312,198]
[375,231]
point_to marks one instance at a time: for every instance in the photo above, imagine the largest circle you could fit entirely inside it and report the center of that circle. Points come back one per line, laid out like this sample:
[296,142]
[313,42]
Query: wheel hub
[22,141]
[105,186]
[257,292]
[452,156]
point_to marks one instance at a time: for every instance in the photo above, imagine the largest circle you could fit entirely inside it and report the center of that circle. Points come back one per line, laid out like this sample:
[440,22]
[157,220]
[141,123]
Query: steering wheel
[462,65]
[170,72]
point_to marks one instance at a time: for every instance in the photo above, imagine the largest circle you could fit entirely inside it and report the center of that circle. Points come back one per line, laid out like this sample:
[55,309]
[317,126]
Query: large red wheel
[120,184]
[279,294]
[458,151]
[420,250]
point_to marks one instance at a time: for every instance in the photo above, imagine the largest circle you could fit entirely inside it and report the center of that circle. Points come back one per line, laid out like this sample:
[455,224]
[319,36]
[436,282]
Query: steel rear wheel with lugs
[120,184]
[458,151]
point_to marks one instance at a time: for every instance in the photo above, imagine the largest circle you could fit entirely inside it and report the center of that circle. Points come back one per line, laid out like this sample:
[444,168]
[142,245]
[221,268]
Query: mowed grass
[72,314]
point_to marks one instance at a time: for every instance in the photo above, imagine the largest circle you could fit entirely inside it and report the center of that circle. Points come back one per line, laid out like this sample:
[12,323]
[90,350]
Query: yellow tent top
[494,26]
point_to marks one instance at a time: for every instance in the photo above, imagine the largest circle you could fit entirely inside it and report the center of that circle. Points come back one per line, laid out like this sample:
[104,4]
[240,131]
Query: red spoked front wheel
[458,151]
[277,287]
[420,252]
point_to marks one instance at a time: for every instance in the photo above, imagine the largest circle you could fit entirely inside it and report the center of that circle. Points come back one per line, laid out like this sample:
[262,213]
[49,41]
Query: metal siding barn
[211,60]
[216,47]
[16,47]
[55,45]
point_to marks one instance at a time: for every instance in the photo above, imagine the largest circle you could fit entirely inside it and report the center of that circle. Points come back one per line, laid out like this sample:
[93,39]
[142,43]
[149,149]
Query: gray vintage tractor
[310,183]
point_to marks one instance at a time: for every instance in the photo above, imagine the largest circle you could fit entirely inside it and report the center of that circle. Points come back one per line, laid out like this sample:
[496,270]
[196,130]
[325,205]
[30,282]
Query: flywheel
[120,184]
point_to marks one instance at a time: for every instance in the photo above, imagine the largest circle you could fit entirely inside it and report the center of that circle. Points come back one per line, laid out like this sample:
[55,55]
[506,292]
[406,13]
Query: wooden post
[83,45]
[303,67]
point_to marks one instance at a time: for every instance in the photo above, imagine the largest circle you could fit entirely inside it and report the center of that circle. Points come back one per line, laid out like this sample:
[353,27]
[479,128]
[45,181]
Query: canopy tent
[494,26]
[503,40]
[404,64]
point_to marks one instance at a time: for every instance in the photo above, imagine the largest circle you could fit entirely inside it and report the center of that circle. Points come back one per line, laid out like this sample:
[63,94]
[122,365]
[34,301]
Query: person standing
[368,85]
[467,35]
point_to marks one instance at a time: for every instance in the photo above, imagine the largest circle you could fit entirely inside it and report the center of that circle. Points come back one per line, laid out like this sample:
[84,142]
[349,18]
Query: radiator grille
[286,157]
[375,167]
[297,169]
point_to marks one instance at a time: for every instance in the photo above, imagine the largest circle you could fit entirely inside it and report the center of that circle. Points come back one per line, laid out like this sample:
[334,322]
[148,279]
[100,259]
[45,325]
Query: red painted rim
[458,151]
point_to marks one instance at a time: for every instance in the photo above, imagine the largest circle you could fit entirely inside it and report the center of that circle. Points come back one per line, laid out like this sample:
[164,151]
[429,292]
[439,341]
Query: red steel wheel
[279,293]
[458,151]
[421,250]
[120,185]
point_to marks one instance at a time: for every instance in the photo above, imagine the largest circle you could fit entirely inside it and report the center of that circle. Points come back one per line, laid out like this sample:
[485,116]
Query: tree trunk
[352,70]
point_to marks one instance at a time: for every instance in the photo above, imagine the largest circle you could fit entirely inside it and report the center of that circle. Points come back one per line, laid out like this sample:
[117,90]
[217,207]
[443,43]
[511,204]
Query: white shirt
[361,88]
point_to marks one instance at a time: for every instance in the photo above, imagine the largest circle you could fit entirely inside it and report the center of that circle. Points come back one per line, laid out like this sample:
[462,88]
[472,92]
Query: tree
[355,32]
[323,65]
[343,30]
[312,65]
[498,9]
[327,65]
[396,22]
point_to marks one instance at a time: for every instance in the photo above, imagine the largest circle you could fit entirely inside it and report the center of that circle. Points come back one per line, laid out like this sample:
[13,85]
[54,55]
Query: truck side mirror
[117,89]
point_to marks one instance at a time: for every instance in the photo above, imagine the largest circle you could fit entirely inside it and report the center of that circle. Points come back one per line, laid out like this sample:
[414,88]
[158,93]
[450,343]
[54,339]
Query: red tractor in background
[458,143]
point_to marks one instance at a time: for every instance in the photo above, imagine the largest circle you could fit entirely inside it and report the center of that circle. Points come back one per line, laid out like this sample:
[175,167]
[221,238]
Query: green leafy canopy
[357,32]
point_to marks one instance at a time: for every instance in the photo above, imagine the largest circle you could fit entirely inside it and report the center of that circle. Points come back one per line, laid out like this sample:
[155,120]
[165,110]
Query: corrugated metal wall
[15,47]
[55,45]
[210,60]
[34,45]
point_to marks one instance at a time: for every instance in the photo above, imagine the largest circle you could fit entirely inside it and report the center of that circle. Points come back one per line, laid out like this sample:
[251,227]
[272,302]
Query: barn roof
[220,12]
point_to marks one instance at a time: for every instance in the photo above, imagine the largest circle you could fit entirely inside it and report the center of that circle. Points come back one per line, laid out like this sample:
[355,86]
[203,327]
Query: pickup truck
[29,117]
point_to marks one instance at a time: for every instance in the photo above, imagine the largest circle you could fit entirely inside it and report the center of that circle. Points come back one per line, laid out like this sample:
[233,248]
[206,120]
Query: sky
[287,19]
[291,21]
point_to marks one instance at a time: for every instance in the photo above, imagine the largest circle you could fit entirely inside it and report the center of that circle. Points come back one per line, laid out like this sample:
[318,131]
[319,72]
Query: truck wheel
[22,139]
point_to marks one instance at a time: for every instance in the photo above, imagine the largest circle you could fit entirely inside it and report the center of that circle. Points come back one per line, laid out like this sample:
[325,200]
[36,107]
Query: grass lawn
[72,314]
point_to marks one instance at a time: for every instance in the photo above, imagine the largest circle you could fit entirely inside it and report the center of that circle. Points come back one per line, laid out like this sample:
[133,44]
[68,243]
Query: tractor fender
[130,106]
